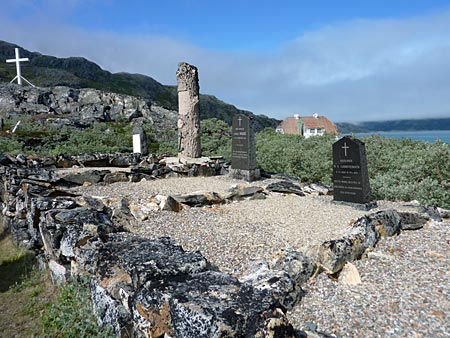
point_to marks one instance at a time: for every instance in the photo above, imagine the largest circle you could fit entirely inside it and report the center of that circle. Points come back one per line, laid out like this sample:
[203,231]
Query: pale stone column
[188,111]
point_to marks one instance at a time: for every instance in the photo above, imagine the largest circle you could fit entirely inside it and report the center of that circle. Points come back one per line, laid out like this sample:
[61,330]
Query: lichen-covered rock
[286,277]
[110,311]
[333,254]
[145,259]
[63,230]
[366,229]
[276,282]
[205,305]
[387,222]
[299,266]
[412,220]
[59,272]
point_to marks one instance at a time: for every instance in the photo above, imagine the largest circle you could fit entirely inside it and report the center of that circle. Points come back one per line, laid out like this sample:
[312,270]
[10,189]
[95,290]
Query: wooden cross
[18,60]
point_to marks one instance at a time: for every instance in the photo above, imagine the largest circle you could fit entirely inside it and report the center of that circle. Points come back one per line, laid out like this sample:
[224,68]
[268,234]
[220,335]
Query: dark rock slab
[285,187]
[145,259]
[64,229]
[387,222]
[5,160]
[198,199]
[90,176]
[413,221]
[333,254]
[93,160]
[124,160]
[115,177]
[208,304]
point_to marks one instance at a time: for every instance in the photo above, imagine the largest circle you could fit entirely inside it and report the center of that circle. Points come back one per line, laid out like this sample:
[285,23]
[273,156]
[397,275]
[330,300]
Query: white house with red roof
[307,126]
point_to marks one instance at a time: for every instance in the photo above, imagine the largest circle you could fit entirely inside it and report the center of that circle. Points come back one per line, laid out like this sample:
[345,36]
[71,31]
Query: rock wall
[153,288]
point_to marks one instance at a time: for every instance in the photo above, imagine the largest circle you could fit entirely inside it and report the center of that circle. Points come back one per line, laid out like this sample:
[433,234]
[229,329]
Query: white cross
[240,120]
[345,147]
[18,60]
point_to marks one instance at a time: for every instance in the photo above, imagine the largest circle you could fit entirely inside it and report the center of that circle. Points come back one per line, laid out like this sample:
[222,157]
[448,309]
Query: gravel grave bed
[405,280]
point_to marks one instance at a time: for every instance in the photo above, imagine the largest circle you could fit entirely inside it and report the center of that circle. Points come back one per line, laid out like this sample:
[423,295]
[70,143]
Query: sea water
[421,135]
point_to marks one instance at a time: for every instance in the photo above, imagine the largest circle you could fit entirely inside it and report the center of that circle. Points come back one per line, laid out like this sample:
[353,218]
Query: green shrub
[215,138]
[400,170]
[310,159]
[11,146]
[71,315]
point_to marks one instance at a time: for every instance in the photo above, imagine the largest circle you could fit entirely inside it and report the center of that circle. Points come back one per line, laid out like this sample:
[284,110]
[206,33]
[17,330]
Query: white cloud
[354,71]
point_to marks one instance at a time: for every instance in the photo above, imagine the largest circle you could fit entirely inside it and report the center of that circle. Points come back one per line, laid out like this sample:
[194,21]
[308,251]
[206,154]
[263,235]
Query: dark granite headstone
[240,148]
[243,149]
[350,175]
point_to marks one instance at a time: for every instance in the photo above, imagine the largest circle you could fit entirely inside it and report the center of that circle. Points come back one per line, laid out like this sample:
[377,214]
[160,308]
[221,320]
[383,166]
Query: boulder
[333,254]
[124,160]
[91,176]
[349,275]
[241,191]
[208,304]
[412,221]
[59,273]
[64,229]
[276,282]
[197,199]
[285,187]
[168,203]
[387,223]
[118,176]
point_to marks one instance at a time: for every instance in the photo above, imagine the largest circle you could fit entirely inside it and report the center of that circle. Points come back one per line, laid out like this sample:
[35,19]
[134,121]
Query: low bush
[71,314]
[399,170]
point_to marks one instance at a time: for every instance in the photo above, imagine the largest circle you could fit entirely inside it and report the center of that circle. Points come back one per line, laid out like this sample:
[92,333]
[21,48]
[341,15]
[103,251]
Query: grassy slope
[24,292]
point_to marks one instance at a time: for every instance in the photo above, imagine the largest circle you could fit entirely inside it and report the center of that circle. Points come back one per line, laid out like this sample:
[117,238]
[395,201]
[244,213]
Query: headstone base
[360,206]
[247,175]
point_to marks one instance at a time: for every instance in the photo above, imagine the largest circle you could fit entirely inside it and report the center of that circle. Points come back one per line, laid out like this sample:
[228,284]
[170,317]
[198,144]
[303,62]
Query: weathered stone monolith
[188,111]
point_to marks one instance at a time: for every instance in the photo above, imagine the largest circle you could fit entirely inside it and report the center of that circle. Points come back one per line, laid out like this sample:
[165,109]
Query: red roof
[321,122]
[290,126]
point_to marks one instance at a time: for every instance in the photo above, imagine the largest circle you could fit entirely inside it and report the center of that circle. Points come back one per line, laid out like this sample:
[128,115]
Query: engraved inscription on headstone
[240,144]
[350,175]
[243,150]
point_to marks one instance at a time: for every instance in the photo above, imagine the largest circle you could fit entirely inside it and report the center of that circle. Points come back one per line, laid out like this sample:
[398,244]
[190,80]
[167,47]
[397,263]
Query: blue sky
[349,60]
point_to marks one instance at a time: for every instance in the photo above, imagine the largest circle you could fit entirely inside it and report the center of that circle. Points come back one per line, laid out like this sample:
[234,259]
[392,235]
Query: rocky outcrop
[79,107]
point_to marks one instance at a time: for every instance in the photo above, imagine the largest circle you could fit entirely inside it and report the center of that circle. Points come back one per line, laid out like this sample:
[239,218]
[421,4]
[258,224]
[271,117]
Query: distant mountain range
[395,125]
[77,72]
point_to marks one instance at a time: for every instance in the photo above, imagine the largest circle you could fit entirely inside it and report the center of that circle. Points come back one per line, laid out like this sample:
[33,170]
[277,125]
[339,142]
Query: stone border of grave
[148,287]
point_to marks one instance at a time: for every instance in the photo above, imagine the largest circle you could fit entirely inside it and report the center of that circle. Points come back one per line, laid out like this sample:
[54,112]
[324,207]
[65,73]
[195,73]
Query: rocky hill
[78,72]
[67,106]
